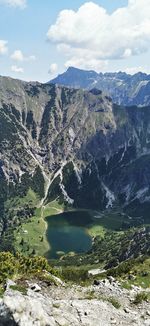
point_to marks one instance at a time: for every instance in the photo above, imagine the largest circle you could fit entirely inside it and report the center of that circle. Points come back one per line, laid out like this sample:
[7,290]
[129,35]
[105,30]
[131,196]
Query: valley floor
[31,236]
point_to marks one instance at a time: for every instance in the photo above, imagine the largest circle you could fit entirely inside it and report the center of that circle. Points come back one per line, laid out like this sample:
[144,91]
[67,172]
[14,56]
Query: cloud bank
[90,36]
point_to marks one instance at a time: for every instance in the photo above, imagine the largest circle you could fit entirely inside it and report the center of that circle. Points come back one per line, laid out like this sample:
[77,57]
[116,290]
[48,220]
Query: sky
[41,39]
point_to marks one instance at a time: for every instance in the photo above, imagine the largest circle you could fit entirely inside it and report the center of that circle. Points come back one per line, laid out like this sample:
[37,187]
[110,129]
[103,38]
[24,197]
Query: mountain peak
[123,88]
[73,69]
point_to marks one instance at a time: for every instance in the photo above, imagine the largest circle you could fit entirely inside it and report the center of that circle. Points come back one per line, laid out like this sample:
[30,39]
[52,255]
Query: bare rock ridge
[125,89]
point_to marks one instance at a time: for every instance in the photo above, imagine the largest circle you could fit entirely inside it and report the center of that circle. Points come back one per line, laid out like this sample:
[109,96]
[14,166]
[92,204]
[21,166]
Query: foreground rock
[72,306]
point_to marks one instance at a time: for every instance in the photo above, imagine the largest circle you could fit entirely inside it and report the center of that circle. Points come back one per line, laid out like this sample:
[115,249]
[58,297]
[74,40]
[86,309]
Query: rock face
[79,145]
[91,306]
[123,88]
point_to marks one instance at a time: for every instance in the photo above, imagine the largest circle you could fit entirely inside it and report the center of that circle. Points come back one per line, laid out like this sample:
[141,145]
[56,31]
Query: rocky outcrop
[92,306]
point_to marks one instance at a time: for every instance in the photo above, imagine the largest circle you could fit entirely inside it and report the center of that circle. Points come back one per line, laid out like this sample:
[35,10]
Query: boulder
[96,282]
[35,287]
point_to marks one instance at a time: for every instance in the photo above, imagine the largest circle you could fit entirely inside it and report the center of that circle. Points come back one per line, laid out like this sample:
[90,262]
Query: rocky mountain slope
[78,147]
[34,295]
[123,88]
[73,145]
[106,303]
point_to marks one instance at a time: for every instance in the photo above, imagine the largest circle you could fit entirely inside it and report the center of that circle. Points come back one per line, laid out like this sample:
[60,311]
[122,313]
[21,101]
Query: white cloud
[127,53]
[3,47]
[17,69]
[91,34]
[31,58]
[134,70]
[82,58]
[87,63]
[17,55]
[14,3]
[53,68]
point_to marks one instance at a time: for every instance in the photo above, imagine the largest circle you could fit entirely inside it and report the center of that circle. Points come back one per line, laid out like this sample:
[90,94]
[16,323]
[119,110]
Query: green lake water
[67,232]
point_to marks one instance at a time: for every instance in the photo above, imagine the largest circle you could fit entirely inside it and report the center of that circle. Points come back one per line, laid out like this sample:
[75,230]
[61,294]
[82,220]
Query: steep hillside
[123,88]
[73,145]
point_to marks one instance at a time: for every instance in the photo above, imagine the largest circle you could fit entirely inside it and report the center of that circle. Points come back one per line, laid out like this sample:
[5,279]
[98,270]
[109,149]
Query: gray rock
[9,283]
[127,310]
[96,282]
[43,309]
[111,279]
[113,321]
[35,287]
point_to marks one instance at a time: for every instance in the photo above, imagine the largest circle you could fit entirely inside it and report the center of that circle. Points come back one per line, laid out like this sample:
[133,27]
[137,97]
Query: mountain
[73,145]
[124,89]
[64,149]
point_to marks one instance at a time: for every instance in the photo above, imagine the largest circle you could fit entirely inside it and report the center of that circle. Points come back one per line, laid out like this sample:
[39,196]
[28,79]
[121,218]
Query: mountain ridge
[72,145]
[125,89]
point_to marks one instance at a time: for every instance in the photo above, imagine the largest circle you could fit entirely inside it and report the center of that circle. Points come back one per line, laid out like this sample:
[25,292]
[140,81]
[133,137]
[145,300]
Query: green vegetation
[122,269]
[1,291]
[114,302]
[112,248]
[109,247]
[105,222]
[122,272]
[54,190]
[138,273]
[53,208]
[56,305]
[96,230]
[19,288]
[91,294]
[38,182]
[140,297]
[17,210]
[74,274]
[19,267]
[30,237]
[17,204]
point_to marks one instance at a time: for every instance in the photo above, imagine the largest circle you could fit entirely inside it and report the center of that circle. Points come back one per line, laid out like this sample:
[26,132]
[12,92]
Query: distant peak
[74,69]
[70,68]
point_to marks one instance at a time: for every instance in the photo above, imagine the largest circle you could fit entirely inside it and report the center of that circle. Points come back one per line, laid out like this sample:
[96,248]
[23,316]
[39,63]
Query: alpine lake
[68,233]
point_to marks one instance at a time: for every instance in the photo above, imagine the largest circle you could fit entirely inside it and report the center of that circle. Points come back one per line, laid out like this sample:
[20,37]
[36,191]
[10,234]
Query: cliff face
[88,151]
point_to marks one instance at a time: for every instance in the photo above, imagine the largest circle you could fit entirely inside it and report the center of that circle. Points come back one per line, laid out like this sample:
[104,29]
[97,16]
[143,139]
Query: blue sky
[39,45]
